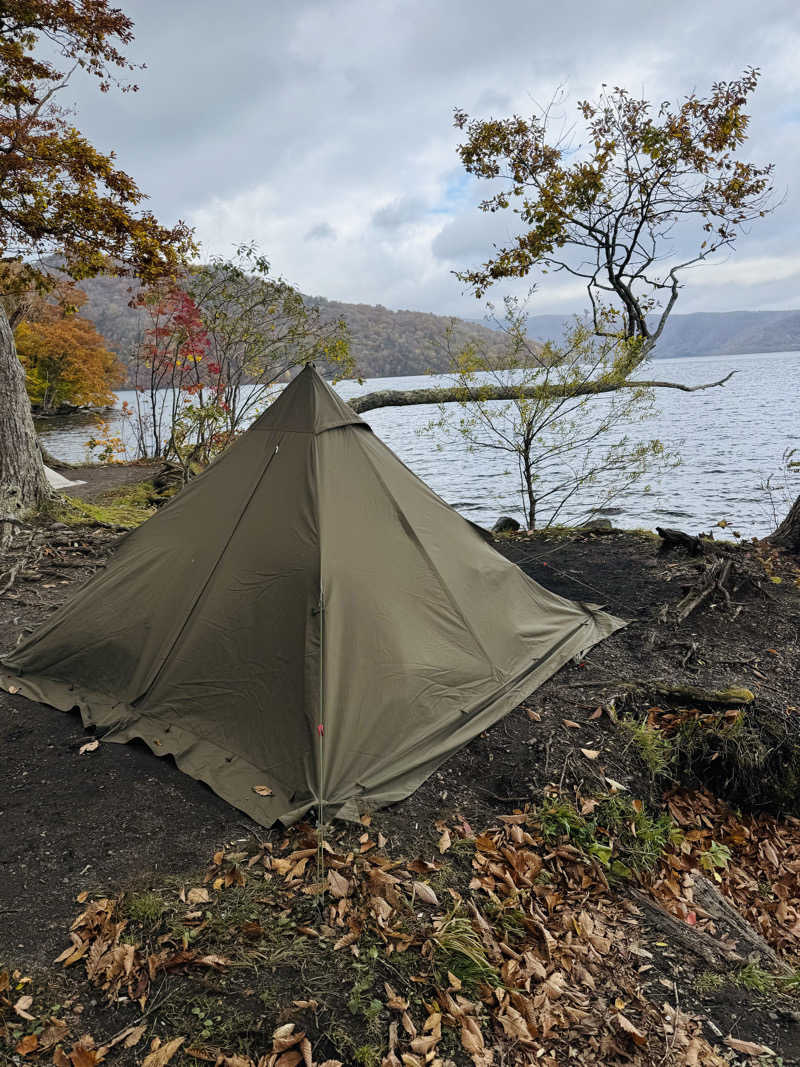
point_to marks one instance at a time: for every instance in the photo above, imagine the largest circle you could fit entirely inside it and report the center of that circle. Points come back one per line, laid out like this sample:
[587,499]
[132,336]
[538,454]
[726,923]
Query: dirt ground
[101,820]
[100,478]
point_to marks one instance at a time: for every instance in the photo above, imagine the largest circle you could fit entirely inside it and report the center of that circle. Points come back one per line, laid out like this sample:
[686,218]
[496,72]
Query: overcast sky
[322,129]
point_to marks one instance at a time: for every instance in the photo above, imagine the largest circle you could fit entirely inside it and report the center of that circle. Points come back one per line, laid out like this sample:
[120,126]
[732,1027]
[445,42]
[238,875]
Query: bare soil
[118,816]
[101,478]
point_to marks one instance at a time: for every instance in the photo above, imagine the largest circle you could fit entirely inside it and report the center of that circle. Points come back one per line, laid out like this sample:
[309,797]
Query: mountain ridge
[389,343]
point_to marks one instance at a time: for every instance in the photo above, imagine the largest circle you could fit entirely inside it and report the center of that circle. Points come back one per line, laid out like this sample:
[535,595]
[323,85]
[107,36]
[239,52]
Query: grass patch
[709,982]
[653,746]
[127,506]
[144,908]
[619,832]
[460,950]
[752,759]
[752,978]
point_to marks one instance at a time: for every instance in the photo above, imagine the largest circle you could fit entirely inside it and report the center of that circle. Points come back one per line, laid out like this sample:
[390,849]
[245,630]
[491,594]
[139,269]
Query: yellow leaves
[161,1055]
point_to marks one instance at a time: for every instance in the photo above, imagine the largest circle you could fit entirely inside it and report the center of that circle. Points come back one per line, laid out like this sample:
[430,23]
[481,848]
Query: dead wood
[688,938]
[732,697]
[695,546]
[709,901]
[741,944]
[458,394]
[715,579]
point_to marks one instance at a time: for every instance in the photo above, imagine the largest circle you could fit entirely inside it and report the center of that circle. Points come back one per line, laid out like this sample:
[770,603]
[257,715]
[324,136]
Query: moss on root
[127,507]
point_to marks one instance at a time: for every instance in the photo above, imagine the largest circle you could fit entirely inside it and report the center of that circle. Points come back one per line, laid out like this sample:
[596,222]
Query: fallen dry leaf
[626,1025]
[198,896]
[590,753]
[164,1054]
[571,724]
[444,841]
[90,746]
[747,1048]
[425,893]
[22,1005]
[29,1043]
[134,1036]
[288,1059]
[262,790]
[338,885]
[471,1037]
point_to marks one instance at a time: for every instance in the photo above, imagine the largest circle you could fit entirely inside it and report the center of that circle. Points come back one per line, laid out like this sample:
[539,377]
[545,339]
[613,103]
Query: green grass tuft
[127,506]
[653,746]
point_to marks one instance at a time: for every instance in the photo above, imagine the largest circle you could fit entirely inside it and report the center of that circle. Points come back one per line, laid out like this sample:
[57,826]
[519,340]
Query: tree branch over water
[392,398]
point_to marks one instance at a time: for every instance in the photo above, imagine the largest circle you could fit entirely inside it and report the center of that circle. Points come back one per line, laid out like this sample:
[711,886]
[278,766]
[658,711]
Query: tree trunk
[788,533]
[390,398]
[23,485]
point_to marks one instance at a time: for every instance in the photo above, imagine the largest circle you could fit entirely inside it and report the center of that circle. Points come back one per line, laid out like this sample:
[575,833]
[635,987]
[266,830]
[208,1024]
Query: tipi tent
[306,623]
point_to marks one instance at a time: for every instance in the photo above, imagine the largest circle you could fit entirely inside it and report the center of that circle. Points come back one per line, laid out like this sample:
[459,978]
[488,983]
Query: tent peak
[308,405]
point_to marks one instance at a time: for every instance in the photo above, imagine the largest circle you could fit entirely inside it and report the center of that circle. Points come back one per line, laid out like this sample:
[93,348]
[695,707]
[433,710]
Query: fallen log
[709,900]
[742,943]
[688,938]
[731,697]
[460,394]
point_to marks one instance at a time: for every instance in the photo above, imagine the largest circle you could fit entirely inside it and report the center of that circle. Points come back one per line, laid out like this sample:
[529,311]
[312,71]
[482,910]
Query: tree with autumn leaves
[58,193]
[66,361]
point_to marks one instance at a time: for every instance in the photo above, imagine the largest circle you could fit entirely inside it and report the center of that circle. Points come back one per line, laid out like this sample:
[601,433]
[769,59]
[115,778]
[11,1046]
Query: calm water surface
[730,440]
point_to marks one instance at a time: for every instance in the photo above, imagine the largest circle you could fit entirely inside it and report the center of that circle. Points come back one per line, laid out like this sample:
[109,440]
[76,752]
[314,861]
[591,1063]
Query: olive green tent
[306,623]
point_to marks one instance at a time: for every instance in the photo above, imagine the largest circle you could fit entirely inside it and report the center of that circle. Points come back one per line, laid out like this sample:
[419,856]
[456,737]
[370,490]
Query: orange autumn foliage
[66,361]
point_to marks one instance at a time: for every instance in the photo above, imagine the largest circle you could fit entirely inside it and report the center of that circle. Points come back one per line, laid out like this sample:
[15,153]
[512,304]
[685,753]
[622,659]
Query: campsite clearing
[119,820]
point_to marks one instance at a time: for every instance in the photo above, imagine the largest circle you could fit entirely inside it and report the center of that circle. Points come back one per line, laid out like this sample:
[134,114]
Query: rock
[505,524]
[597,526]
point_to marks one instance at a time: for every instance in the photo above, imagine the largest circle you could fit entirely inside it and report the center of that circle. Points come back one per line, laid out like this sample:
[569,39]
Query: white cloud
[324,131]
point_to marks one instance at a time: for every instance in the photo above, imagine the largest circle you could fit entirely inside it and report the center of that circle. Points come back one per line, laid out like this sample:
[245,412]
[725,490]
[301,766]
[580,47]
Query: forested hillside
[706,333]
[383,343]
[388,343]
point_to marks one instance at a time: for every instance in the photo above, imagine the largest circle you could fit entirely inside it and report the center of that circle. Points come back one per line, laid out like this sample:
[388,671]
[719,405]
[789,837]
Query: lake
[730,440]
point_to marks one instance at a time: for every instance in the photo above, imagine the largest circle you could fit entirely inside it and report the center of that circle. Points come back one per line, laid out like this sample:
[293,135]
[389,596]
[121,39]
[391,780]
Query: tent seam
[190,613]
[440,579]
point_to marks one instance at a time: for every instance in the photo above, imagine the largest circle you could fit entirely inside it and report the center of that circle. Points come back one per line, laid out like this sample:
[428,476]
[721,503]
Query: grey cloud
[323,231]
[256,120]
[401,212]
